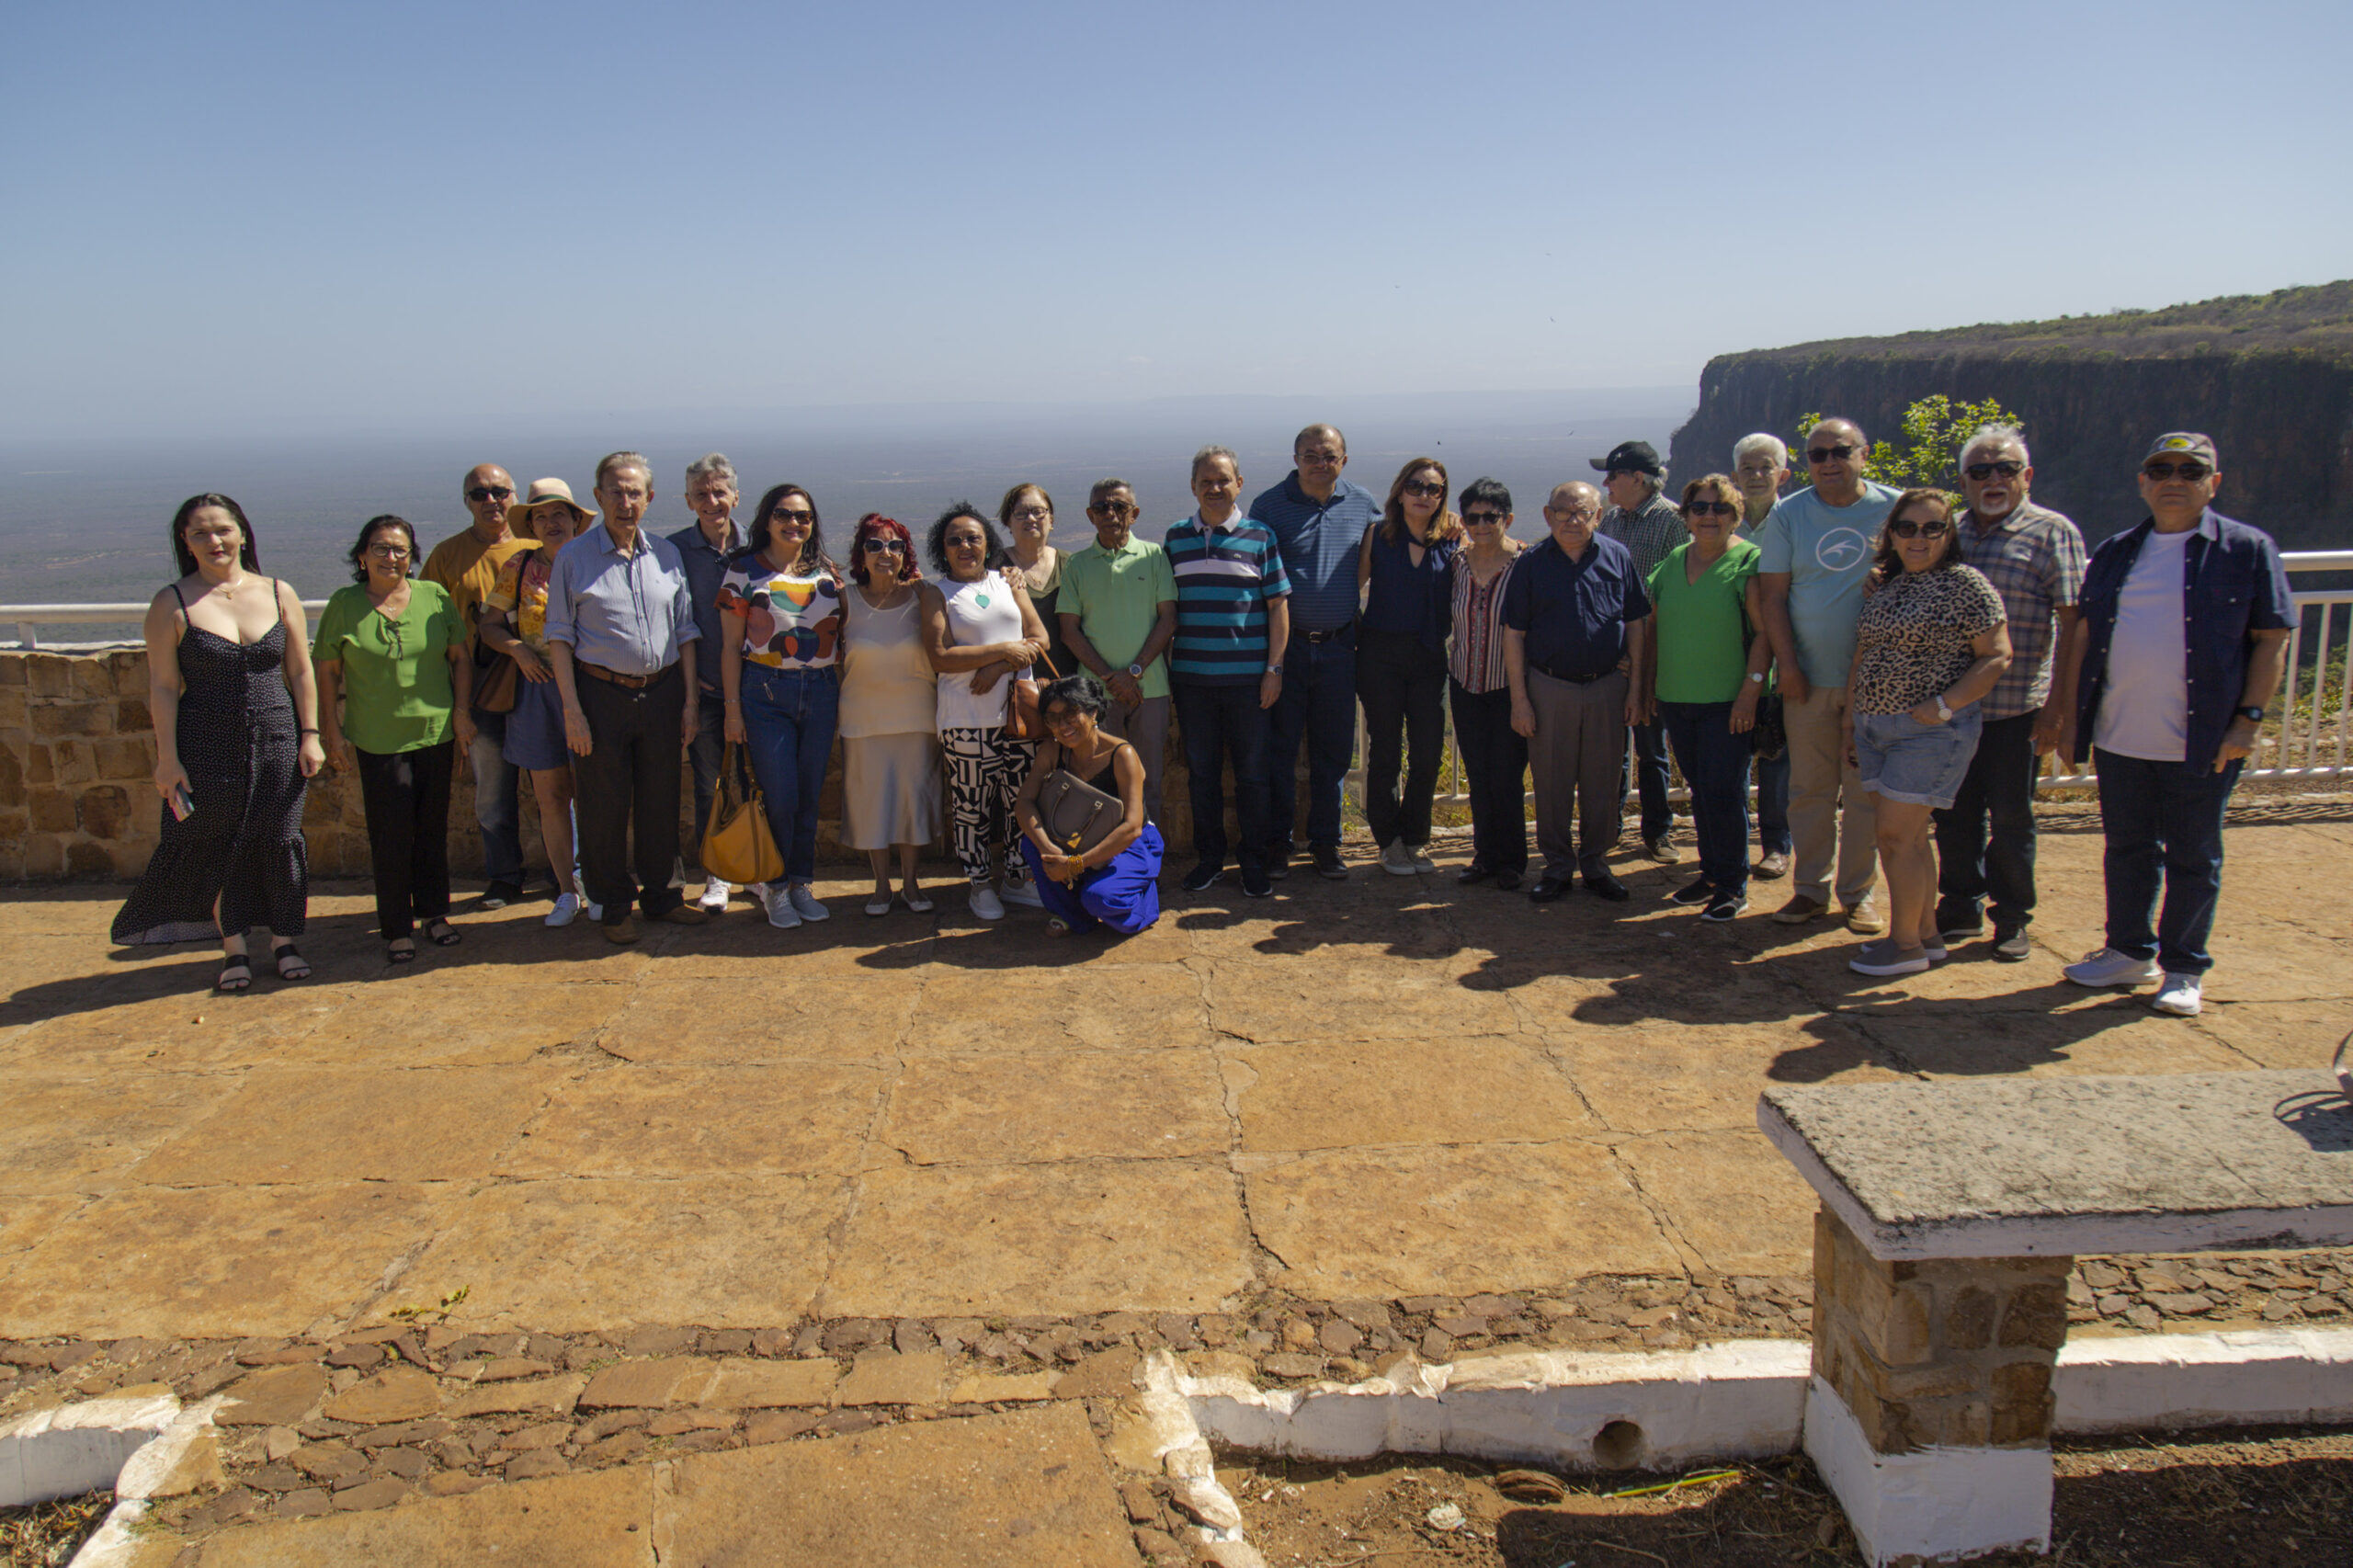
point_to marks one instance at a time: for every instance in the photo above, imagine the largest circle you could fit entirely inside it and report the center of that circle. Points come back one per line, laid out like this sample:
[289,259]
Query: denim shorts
[1921,765]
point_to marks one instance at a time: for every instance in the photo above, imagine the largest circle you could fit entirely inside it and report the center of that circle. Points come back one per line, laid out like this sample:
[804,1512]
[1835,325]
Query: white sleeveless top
[886,680]
[985,611]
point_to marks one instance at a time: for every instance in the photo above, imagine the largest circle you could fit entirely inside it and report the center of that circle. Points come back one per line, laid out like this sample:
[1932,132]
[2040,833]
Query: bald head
[1319,453]
[1836,453]
[487,489]
[1573,513]
[1572,494]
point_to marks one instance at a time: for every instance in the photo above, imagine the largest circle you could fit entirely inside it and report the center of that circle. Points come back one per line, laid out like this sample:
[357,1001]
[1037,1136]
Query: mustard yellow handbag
[737,847]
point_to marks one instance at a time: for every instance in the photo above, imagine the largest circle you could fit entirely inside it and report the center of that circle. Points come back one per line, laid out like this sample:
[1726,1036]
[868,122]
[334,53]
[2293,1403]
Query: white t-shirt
[2145,706]
[978,613]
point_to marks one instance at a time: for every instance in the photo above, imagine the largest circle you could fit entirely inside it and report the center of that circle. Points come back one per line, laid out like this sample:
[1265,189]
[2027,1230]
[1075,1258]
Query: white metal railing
[25,617]
[2306,737]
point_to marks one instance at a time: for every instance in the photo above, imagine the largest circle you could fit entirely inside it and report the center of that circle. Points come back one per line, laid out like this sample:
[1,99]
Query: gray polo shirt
[705,566]
[629,614]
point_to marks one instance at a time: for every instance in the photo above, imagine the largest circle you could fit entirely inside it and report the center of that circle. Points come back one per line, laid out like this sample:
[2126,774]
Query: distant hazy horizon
[86,520]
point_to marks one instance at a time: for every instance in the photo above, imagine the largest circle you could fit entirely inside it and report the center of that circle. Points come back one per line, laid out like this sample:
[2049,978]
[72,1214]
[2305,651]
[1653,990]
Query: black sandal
[299,969]
[446,937]
[229,981]
[401,955]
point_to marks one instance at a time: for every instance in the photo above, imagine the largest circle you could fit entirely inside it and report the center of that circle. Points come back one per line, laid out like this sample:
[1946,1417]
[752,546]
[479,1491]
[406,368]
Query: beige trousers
[1820,776]
[1577,756]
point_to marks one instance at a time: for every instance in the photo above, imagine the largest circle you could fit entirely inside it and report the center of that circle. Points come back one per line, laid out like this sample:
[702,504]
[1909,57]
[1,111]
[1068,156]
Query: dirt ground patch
[47,1535]
[2247,1499]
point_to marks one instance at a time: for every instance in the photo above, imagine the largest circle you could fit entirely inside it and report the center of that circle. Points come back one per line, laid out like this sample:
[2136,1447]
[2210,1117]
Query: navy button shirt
[1319,542]
[2232,584]
[705,566]
[1574,612]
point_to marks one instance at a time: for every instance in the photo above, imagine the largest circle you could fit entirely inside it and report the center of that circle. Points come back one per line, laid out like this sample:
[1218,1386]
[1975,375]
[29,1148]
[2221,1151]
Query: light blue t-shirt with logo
[1827,552]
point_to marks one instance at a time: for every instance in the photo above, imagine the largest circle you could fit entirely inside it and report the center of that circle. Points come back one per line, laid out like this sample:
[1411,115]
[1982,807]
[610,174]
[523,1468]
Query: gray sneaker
[1420,853]
[804,902]
[2105,966]
[1396,859]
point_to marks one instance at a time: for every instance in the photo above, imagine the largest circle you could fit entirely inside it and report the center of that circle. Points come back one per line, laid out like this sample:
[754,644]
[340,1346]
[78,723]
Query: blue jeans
[497,810]
[1218,722]
[1773,804]
[1645,776]
[788,718]
[704,752]
[1319,707]
[1715,765]
[2163,825]
[1974,863]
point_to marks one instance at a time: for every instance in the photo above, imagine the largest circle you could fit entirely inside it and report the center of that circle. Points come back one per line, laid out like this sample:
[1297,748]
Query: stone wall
[77,790]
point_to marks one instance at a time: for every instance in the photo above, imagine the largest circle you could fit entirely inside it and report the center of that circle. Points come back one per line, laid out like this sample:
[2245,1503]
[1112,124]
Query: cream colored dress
[891,787]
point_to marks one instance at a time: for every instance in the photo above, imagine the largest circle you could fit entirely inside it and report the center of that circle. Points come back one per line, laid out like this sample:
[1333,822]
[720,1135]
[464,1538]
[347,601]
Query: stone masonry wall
[77,790]
[1955,1353]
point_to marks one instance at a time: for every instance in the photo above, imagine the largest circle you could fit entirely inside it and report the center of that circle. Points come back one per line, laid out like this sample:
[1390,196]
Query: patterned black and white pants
[985,769]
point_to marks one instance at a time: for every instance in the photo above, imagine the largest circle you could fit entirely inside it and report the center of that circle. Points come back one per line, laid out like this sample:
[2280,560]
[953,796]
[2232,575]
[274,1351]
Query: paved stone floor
[977,1167]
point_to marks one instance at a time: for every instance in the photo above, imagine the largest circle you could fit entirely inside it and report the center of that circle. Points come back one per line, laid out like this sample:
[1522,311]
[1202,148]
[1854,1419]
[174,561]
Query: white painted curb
[2231,1378]
[1940,1504]
[72,1449]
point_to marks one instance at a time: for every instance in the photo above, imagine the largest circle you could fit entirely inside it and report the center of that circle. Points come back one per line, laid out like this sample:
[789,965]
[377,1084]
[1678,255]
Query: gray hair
[1206,453]
[1761,442]
[711,465]
[1103,487]
[612,460]
[1997,436]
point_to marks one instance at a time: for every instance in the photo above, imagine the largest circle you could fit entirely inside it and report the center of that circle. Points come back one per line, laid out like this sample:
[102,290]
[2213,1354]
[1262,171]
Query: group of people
[1889,668]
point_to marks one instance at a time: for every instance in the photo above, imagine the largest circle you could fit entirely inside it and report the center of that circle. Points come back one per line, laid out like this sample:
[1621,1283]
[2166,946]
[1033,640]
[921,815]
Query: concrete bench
[1951,1216]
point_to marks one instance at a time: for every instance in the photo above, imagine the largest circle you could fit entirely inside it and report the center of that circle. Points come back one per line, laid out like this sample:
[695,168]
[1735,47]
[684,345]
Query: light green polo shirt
[1703,629]
[1116,596]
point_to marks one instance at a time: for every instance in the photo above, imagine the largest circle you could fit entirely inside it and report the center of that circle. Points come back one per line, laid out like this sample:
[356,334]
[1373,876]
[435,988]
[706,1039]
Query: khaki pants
[1146,729]
[1820,776]
[1577,756]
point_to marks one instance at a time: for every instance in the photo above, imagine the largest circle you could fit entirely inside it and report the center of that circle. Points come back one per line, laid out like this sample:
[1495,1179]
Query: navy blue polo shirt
[1319,540]
[2233,583]
[1574,612]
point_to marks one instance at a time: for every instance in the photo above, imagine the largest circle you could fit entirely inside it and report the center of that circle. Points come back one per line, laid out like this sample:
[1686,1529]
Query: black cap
[1631,456]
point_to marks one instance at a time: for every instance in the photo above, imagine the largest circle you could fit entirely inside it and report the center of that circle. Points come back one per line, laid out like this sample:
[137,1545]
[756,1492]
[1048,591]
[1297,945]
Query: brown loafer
[683,914]
[1800,910]
[1864,919]
[1771,869]
[622,931]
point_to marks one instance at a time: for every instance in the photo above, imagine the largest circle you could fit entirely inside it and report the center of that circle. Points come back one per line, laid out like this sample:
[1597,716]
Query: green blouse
[396,690]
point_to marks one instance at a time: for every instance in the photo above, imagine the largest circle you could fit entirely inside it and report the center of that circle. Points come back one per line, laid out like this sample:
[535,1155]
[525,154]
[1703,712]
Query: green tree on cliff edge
[1934,429]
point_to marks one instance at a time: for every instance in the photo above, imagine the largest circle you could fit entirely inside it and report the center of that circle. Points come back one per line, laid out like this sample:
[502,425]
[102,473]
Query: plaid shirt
[2034,558]
[1650,533]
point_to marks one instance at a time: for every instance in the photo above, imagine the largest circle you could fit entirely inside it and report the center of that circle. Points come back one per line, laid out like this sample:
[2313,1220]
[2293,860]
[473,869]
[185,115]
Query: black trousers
[1402,686]
[407,796]
[1975,864]
[1496,756]
[630,777]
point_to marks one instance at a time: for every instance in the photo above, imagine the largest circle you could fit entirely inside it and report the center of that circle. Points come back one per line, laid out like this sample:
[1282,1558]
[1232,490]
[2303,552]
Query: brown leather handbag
[1022,720]
[498,681]
[737,847]
[1076,815]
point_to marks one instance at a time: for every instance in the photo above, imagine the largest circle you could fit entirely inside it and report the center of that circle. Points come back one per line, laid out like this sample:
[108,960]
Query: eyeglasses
[1711,508]
[1481,519]
[1030,514]
[1840,452]
[388,552]
[2008,470]
[481,493]
[885,546]
[1910,530]
[1422,487]
[798,520]
[2192,469]
[1112,508]
[1582,514]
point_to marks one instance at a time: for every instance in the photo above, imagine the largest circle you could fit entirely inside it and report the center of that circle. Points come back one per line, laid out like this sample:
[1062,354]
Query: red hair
[874,525]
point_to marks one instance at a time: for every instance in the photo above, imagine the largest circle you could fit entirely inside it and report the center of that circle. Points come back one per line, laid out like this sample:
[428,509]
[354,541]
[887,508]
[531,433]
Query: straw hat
[542,490]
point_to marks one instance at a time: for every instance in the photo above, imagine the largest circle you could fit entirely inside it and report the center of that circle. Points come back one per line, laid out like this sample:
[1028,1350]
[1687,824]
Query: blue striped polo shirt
[1224,577]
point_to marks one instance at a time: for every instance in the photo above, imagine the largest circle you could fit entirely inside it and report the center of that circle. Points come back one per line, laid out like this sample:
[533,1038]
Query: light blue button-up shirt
[629,614]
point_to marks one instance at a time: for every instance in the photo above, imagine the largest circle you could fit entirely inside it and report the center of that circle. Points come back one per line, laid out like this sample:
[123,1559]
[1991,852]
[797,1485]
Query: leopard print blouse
[1912,641]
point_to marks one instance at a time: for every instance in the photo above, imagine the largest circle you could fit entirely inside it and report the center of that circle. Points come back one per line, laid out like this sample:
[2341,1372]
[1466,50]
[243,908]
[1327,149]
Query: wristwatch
[2252,714]
[1274,669]
[1758,676]
[1944,710]
[1136,671]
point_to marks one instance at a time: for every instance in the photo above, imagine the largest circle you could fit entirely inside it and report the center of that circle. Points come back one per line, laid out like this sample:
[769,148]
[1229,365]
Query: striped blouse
[1475,656]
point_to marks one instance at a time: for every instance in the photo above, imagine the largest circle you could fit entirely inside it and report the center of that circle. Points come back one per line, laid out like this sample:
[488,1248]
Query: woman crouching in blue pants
[1116,882]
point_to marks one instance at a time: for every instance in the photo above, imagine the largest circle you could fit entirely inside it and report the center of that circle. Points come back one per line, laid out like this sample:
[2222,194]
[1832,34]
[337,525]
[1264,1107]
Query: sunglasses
[800,519]
[1113,508]
[1909,530]
[489,492]
[1841,452]
[1987,471]
[885,546]
[1422,487]
[2161,472]
[1711,508]
[1481,519]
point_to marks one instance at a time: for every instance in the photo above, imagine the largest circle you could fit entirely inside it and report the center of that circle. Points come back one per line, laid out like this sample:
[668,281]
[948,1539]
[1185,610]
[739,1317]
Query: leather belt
[1571,679]
[1325,636]
[614,677]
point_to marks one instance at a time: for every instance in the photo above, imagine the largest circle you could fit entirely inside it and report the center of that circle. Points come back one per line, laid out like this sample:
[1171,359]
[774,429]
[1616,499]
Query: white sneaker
[1396,859]
[2178,996]
[1020,892]
[984,904]
[715,894]
[2105,966]
[566,910]
[781,915]
[803,899]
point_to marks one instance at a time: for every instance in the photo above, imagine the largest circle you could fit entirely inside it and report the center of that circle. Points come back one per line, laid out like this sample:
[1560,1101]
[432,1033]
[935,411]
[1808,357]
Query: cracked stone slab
[1264,1000]
[1010,1491]
[1452,1220]
[61,1133]
[675,1121]
[1067,1105]
[1731,1199]
[443,1022]
[668,1021]
[1335,1093]
[603,1520]
[2038,1166]
[1086,1236]
[1705,1077]
[1119,1007]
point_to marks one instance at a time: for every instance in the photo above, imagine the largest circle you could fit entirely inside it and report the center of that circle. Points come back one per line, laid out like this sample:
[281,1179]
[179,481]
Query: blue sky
[266,217]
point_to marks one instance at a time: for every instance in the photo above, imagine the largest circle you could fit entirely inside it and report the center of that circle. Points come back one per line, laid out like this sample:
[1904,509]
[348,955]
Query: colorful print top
[791,622]
[522,591]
